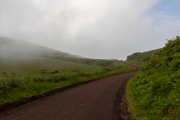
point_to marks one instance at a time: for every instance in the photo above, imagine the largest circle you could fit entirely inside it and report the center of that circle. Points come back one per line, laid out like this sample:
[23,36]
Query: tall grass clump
[8,82]
[154,93]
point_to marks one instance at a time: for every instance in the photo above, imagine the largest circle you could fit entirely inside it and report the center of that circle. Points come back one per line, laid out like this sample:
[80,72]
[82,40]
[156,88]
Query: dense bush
[154,93]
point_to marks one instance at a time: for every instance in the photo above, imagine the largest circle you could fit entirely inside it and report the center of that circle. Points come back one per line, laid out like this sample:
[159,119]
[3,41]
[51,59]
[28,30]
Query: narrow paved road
[91,101]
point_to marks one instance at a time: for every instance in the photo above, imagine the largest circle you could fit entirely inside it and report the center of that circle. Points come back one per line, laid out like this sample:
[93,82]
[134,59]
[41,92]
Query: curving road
[91,101]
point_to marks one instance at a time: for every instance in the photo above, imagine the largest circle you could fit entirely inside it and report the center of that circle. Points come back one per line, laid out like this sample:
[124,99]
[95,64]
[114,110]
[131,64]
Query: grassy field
[141,58]
[27,70]
[154,93]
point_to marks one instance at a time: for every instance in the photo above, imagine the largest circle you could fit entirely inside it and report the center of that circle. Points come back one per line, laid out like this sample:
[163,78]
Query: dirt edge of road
[120,104]
[120,108]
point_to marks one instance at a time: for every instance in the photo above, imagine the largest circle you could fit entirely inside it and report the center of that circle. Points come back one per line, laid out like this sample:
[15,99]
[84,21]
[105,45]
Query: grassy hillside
[27,69]
[154,93]
[15,49]
[141,58]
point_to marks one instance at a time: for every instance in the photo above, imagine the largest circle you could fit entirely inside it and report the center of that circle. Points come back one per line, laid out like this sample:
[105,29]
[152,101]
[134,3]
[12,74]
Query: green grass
[154,93]
[37,65]
[25,78]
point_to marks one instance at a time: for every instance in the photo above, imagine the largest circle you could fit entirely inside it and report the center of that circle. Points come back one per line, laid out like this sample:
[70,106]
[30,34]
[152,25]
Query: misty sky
[92,28]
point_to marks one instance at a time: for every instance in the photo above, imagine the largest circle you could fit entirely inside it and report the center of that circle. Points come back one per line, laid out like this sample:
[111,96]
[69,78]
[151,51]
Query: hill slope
[10,48]
[154,94]
[27,70]
[141,58]
[23,58]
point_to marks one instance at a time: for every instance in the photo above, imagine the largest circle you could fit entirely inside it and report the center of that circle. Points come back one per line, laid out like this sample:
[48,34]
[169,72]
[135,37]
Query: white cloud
[92,28]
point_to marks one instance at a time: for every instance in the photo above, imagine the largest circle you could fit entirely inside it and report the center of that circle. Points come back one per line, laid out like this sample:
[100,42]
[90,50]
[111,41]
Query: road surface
[90,101]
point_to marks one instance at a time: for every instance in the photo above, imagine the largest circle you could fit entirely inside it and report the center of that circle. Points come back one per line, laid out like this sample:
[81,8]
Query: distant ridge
[141,58]
[20,49]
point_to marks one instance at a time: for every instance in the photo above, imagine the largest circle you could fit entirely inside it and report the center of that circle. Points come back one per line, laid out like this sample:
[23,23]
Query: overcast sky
[92,28]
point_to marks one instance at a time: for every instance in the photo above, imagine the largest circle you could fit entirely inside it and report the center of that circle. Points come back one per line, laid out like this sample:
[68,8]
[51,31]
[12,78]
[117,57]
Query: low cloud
[91,28]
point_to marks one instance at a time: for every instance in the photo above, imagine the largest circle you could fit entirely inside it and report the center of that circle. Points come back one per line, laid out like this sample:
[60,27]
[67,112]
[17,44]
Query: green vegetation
[27,70]
[141,58]
[24,83]
[154,93]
